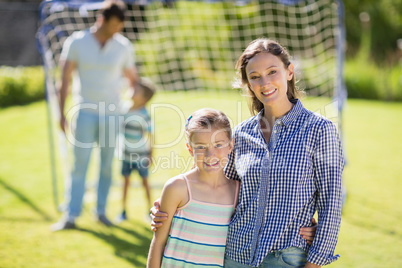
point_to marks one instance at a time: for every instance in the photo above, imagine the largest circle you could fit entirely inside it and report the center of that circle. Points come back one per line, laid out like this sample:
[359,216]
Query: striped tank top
[198,233]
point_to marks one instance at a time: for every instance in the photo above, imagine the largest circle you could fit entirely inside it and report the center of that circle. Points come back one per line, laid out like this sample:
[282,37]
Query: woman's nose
[265,81]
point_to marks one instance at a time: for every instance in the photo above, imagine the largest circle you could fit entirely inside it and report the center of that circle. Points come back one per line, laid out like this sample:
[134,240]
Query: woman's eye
[272,72]
[254,77]
[200,147]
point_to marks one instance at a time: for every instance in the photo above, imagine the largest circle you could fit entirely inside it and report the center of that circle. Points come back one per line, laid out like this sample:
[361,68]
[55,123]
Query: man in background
[97,58]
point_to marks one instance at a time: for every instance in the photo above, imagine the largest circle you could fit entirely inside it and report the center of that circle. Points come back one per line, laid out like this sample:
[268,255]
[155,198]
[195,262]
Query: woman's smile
[268,92]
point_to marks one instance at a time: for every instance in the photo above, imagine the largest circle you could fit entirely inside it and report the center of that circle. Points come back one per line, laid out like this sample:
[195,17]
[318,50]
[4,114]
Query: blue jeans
[286,258]
[92,128]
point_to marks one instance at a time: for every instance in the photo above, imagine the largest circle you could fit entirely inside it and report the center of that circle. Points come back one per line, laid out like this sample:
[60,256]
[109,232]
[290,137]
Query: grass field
[371,232]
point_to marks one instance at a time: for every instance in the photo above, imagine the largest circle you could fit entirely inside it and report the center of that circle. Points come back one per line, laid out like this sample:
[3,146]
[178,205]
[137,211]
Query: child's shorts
[127,167]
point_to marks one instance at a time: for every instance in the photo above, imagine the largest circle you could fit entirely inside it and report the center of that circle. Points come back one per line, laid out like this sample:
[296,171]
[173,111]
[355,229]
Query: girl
[200,202]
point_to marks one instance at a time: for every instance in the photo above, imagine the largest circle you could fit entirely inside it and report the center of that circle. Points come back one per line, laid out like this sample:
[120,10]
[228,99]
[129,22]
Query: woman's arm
[174,195]
[328,165]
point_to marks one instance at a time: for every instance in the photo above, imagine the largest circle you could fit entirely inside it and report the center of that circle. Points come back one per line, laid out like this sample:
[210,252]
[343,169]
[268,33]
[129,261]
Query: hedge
[21,85]
[364,80]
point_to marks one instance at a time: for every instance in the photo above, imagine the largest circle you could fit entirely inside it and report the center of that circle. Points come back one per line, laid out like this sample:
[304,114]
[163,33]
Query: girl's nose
[210,152]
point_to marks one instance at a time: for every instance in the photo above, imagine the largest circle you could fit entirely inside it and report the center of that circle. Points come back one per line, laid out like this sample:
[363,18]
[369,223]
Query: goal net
[186,45]
[193,45]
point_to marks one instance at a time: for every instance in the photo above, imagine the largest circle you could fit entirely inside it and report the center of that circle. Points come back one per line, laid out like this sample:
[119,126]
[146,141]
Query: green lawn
[371,233]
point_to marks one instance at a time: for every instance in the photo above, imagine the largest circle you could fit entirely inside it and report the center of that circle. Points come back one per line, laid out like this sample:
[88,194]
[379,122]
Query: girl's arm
[174,195]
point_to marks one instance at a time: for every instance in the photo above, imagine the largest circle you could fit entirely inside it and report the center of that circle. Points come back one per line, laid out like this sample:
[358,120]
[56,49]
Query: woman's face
[268,78]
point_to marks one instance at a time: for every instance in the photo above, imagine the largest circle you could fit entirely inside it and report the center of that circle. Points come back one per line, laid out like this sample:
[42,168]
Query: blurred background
[373,48]
[31,169]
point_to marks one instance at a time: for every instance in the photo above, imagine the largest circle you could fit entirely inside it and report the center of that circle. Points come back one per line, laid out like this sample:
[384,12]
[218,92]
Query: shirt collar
[290,116]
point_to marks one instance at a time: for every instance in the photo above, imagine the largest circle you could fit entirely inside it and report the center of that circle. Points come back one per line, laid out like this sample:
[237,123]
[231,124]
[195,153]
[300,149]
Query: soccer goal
[193,45]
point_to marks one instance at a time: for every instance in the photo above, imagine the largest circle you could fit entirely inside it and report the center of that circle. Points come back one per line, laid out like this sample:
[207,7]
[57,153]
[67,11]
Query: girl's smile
[211,164]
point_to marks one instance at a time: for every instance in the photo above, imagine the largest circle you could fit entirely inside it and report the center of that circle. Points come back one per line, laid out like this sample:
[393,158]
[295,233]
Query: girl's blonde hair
[207,118]
[263,45]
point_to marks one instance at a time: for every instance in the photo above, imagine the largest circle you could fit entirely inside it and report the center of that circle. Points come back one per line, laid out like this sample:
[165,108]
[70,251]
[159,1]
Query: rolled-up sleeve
[328,164]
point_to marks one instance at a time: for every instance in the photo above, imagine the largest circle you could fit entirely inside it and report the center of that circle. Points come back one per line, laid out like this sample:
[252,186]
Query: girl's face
[210,149]
[268,78]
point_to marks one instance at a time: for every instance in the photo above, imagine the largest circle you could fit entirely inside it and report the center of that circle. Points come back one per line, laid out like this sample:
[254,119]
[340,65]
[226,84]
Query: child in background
[200,202]
[137,132]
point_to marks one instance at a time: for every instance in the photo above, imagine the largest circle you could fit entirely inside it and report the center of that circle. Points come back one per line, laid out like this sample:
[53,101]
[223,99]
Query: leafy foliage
[21,85]
[384,26]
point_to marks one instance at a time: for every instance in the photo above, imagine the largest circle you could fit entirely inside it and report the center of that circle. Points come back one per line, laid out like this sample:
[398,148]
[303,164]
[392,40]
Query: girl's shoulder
[178,182]
[175,190]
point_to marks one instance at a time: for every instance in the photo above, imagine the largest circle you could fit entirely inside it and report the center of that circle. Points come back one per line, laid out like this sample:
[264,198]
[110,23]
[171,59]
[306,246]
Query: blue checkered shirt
[283,184]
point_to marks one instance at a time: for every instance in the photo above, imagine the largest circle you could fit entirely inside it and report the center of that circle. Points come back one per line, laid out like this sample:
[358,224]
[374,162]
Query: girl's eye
[200,147]
[221,145]
[254,77]
[272,72]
